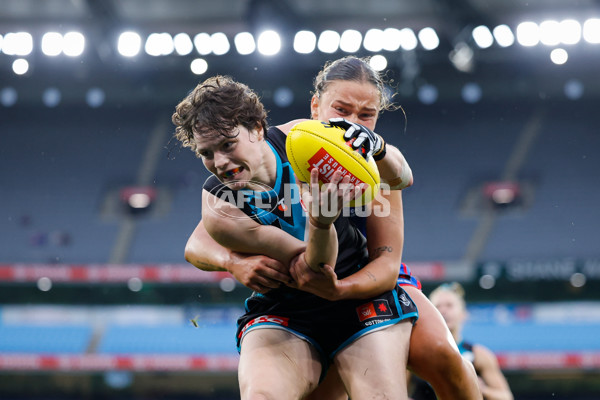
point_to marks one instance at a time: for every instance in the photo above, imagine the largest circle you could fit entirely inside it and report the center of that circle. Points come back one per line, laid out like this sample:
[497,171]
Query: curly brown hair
[216,107]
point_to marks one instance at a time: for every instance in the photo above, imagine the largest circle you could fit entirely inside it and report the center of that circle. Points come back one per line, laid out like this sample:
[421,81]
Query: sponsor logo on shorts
[376,321]
[373,309]
[327,165]
[272,319]
[404,300]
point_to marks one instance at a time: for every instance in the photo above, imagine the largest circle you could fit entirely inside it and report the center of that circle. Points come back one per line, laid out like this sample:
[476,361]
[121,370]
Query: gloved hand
[366,142]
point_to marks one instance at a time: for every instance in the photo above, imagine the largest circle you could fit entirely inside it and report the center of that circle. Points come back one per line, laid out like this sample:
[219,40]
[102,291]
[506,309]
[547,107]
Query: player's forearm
[394,169]
[376,278]
[203,252]
[490,393]
[385,241]
[322,244]
[241,235]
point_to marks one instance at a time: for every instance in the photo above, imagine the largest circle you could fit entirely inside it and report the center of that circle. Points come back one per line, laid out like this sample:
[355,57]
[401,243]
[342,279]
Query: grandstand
[96,299]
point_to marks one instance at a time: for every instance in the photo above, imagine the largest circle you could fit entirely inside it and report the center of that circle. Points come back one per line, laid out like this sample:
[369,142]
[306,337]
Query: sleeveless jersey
[466,350]
[328,325]
[280,206]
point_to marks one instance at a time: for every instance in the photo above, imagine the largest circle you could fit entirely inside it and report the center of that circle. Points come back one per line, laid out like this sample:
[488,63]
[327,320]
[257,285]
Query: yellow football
[317,144]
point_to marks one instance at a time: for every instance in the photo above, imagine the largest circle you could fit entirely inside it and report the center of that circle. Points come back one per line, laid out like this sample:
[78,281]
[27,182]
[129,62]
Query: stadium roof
[515,70]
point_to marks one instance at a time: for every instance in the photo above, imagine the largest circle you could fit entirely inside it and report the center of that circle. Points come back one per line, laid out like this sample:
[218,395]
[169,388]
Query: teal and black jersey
[281,206]
[328,325]
[466,350]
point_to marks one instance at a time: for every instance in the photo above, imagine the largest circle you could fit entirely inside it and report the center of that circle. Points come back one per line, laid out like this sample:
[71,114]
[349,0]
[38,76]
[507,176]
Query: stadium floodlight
[578,280]
[183,44]
[138,199]
[74,44]
[483,37]
[51,97]
[283,96]
[129,44]
[20,66]
[408,39]
[159,44]
[570,31]
[528,34]
[135,284]
[471,93]
[44,284]
[487,281]
[429,38]
[591,30]
[427,94]
[203,44]
[504,36]
[18,44]
[152,46]
[167,44]
[462,57]
[350,41]
[305,42]
[378,62]
[227,284]
[373,40]
[8,96]
[559,56]
[391,39]
[244,43]
[550,33]
[52,43]
[329,41]
[95,97]
[199,66]
[220,43]
[573,89]
[269,43]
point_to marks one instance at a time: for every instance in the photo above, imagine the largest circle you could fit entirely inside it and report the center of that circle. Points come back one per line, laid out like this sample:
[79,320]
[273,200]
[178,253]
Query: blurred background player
[449,299]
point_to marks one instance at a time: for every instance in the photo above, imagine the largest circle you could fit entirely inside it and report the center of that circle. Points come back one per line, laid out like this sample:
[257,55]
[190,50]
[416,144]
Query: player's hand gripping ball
[316,144]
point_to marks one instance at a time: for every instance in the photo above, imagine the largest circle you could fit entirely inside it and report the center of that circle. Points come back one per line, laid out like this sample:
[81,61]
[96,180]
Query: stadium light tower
[269,43]
[305,42]
[129,44]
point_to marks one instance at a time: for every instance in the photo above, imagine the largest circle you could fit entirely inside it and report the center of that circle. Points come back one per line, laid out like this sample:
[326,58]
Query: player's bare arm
[386,236]
[233,229]
[493,384]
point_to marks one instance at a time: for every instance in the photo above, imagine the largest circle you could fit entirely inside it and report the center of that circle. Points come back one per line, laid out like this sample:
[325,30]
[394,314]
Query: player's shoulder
[484,356]
[285,128]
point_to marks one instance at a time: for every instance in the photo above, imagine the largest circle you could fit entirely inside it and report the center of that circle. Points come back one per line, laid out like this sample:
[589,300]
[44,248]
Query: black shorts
[328,325]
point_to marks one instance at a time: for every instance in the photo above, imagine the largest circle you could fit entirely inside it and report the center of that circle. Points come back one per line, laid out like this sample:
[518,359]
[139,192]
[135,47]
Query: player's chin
[235,184]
